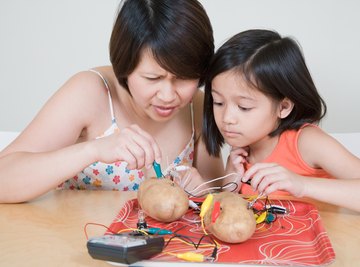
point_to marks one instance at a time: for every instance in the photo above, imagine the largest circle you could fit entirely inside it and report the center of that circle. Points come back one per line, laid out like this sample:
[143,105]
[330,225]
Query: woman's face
[158,92]
[243,114]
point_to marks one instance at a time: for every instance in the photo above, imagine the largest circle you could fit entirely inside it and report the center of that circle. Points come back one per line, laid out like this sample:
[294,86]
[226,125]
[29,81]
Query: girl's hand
[191,179]
[195,184]
[270,177]
[237,158]
[131,144]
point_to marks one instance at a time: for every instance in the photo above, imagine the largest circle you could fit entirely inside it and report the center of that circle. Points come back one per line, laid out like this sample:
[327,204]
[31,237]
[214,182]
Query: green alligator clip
[157,169]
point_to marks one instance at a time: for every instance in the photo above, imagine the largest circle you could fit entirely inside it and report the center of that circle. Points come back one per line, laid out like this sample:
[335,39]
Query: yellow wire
[132,229]
[203,227]
[190,244]
[189,256]
[169,253]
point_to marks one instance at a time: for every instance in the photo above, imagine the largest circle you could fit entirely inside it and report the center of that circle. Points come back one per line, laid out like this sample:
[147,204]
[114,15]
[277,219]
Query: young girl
[105,127]
[261,100]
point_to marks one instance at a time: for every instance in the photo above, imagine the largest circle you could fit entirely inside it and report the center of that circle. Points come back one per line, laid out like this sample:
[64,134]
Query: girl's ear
[285,107]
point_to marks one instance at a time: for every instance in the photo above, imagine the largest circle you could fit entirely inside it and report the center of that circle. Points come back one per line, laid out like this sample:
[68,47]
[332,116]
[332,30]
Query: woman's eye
[152,78]
[244,108]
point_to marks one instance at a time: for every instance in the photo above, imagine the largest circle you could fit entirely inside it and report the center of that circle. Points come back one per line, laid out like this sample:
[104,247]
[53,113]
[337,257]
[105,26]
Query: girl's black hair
[178,33]
[275,66]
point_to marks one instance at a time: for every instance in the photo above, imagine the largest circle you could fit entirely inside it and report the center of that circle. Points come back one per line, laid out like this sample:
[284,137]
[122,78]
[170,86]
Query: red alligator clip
[216,211]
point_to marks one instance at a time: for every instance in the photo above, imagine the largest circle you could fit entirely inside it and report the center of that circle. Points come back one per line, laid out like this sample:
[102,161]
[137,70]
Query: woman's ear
[285,107]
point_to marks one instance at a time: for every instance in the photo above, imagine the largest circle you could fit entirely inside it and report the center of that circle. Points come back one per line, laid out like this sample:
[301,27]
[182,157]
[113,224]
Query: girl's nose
[228,115]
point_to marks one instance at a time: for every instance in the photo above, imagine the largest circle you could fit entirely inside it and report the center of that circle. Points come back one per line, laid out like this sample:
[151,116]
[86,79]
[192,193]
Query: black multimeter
[125,248]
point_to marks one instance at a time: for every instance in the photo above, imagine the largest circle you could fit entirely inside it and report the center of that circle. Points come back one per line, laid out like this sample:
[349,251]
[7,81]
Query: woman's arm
[26,175]
[43,155]
[59,142]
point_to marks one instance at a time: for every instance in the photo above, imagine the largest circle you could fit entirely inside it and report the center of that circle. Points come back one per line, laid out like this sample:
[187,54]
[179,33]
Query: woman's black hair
[178,33]
[276,67]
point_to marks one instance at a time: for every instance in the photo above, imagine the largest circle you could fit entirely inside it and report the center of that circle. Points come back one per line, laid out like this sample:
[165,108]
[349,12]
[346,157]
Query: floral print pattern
[115,176]
[103,176]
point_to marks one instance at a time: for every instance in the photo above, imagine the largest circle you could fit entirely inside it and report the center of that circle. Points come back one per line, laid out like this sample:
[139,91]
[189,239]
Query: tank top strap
[192,117]
[113,120]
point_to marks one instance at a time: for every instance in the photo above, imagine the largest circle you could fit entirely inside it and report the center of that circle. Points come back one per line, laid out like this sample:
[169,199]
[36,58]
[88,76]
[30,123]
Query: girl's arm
[340,192]
[318,150]
[321,150]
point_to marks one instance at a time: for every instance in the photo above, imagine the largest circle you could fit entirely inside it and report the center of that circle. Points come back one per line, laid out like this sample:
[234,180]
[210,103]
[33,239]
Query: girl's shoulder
[321,150]
[316,146]
[311,134]
[311,137]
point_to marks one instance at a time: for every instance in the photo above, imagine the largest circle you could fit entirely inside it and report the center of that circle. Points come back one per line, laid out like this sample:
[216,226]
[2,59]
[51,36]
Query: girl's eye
[215,103]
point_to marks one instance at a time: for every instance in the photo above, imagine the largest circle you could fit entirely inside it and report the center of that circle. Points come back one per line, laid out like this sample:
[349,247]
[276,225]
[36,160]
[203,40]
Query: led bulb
[141,224]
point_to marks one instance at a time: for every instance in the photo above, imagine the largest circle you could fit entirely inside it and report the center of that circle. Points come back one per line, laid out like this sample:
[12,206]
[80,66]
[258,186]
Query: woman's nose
[167,92]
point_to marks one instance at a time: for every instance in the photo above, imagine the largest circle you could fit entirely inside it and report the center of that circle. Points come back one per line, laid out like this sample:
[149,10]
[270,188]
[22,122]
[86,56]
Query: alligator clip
[157,169]
[248,182]
[251,203]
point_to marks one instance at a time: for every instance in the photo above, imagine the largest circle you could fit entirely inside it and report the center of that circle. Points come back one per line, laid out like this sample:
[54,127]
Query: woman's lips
[164,111]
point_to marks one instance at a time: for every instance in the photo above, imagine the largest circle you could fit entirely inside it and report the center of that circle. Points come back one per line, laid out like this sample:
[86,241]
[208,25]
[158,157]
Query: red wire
[97,224]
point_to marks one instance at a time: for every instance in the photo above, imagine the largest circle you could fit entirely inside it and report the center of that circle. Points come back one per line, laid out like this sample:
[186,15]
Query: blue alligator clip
[157,169]
[158,231]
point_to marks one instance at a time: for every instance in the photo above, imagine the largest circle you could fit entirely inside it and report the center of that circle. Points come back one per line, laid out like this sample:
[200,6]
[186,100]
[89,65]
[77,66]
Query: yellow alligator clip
[206,205]
[261,217]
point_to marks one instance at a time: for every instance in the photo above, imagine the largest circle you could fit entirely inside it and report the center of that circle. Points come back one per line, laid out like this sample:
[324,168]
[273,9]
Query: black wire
[182,227]
[196,245]
[184,238]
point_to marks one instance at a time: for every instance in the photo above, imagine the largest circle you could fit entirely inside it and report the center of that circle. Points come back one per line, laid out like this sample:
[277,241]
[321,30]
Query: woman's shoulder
[198,104]
[86,96]
[91,78]
[88,86]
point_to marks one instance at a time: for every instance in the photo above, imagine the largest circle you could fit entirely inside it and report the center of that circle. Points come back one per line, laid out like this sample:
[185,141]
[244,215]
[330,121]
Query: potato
[235,223]
[162,199]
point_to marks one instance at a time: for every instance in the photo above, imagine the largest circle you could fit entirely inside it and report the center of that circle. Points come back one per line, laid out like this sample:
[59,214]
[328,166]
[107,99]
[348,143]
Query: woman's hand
[131,144]
[270,177]
[237,158]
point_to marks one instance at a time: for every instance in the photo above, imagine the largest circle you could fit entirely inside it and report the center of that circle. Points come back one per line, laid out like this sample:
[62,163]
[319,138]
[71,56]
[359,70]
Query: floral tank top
[115,176]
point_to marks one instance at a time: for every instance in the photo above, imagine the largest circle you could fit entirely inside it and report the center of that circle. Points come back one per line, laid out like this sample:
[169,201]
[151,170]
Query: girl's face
[158,92]
[243,114]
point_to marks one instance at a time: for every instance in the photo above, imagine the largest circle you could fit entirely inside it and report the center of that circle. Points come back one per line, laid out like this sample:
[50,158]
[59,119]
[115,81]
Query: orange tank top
[286,154]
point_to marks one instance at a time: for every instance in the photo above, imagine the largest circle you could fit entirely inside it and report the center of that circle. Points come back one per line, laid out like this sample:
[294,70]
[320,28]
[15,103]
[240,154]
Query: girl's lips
[164,111]
[230,134]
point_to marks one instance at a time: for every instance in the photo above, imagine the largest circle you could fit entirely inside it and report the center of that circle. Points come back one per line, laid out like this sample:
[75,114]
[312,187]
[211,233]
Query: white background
[44,42]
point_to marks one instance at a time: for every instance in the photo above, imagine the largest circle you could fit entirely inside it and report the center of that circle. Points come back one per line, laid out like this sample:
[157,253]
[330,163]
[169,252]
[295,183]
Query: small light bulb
[141,224]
